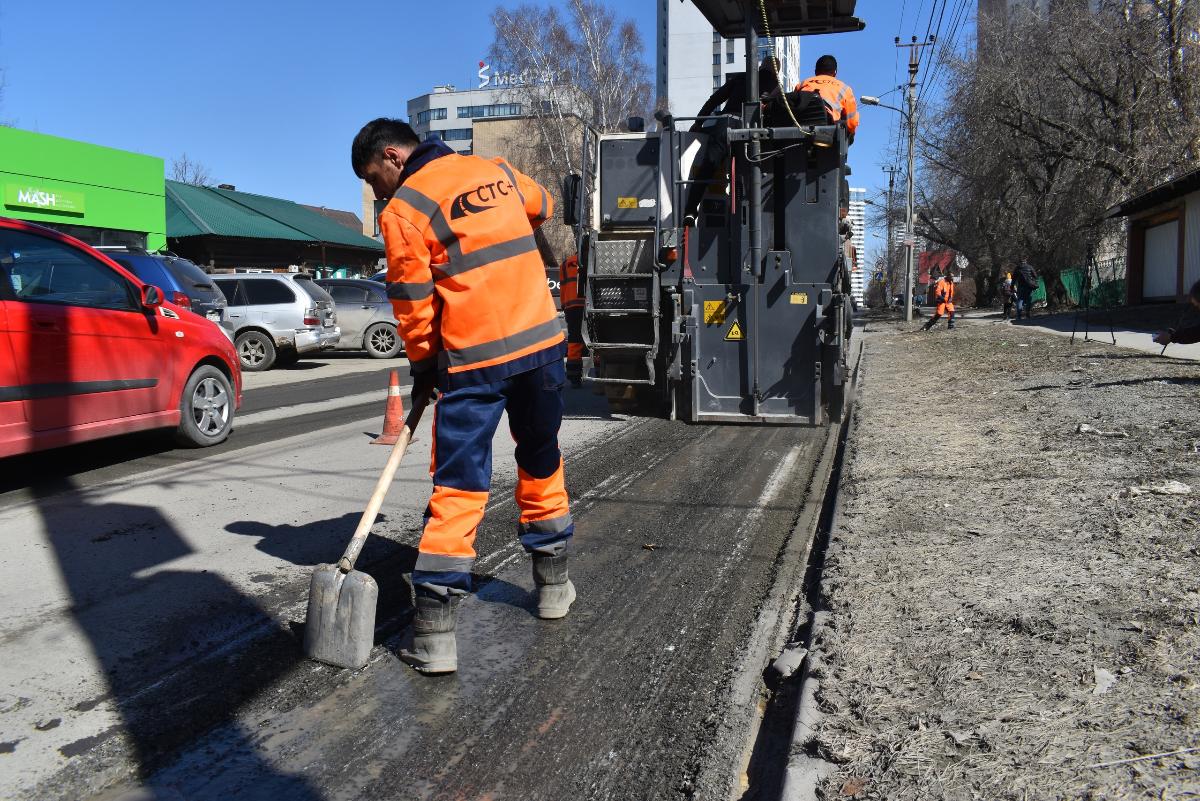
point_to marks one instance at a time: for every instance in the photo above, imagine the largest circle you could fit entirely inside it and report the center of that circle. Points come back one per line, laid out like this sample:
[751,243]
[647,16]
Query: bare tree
[579,66]
[1053,122]
[187,171]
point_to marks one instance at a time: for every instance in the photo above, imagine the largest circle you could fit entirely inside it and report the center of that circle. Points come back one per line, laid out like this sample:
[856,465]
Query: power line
[948,45]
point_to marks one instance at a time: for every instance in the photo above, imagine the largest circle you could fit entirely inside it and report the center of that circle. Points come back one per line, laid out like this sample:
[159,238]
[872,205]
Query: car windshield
[315,292]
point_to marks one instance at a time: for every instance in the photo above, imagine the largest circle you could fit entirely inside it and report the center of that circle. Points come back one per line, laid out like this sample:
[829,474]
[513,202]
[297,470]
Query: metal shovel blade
[339,628]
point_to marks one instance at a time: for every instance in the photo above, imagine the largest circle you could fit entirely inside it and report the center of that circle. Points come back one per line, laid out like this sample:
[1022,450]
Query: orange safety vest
[943,290]
[568,283]
[466,280]
[838,97]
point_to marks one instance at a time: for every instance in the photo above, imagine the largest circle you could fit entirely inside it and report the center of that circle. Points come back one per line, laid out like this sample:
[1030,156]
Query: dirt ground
[1015,602]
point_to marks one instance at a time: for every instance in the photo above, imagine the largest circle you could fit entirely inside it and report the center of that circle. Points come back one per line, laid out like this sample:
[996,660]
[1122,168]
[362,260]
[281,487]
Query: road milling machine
[739,312]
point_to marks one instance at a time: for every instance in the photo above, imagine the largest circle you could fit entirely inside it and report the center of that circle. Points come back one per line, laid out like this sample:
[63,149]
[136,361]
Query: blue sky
[268,99]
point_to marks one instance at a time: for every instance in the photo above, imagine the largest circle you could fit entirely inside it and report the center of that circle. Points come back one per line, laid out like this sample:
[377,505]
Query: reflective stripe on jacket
[838,96]
[466,280]
[568,283]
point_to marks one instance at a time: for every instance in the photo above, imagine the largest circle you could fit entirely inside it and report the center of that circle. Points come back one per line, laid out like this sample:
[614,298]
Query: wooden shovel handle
[346,563]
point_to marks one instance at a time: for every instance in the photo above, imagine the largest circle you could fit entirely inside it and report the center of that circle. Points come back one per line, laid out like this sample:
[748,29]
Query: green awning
[208,211]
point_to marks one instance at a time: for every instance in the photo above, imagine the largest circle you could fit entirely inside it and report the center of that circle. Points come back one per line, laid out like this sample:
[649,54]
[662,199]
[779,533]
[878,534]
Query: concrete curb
[805,772]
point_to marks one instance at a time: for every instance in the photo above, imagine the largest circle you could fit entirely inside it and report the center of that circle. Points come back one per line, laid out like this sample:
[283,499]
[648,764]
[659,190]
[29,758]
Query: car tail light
[311,318]
[180,299]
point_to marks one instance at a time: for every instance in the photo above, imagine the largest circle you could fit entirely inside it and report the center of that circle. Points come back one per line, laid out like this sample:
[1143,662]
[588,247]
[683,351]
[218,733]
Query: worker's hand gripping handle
[346,563]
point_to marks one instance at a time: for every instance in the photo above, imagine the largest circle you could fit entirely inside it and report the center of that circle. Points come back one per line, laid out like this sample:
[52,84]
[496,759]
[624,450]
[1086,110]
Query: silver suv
[277,317]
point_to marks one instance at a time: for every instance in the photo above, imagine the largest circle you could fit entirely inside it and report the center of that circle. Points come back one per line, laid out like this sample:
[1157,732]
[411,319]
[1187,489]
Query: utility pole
[910,240]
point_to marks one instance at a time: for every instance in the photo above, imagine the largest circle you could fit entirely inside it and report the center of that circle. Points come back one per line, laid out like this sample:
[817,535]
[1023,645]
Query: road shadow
[581,403]
[47,468]
[165,640]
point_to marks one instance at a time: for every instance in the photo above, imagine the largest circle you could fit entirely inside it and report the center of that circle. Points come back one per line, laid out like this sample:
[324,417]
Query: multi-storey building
[692,60]
[857,217]
[449,114]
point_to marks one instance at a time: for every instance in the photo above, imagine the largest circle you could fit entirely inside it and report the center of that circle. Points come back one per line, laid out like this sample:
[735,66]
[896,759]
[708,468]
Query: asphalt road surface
[155,600]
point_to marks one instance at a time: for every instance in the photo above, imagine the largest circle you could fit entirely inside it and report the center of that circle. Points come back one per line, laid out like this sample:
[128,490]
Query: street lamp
[910,119]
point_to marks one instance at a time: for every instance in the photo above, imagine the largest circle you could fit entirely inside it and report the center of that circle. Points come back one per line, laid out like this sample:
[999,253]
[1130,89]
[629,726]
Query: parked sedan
[365,315]
[88,350]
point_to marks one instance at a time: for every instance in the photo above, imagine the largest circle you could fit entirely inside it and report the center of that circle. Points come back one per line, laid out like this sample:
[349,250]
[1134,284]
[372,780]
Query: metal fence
[1106,287]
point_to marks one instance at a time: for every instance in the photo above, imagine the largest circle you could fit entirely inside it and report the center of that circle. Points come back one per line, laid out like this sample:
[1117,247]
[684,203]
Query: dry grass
[988,564]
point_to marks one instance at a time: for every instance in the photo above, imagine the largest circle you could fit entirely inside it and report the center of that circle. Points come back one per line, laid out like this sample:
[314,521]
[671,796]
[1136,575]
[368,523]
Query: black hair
[375,136]
[1194,292]
[826,65]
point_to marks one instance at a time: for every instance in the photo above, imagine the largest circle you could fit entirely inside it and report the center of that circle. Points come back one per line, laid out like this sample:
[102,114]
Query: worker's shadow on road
[386,560]
[160,636]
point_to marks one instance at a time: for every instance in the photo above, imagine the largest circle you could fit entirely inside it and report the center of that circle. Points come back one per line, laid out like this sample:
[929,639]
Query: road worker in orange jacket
[468,288]
[838,96]
[943,295]
[572,306]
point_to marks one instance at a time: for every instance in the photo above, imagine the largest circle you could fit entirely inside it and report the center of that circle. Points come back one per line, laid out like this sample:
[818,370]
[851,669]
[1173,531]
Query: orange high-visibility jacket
[465,277]
[943,290]
[568,283]
[837,95]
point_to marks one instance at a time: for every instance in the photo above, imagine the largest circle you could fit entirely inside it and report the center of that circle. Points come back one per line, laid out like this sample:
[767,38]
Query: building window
[433,135]
[716,38]
[716,82]
[456,134]
[729,57]
[498,110]
[716,59]
[423,117]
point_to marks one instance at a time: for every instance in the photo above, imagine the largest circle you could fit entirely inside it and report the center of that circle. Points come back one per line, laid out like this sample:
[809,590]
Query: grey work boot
[556,593]
[433,648]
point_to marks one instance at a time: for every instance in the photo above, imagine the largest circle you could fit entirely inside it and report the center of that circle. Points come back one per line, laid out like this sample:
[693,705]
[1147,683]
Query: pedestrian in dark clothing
[1183,336]
[1008,295]
[1027,282]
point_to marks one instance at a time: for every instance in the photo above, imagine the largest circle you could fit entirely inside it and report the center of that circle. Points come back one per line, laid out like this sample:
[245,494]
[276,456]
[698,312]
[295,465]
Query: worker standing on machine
[469,291]
[943,294]
[838,96]
[572,306]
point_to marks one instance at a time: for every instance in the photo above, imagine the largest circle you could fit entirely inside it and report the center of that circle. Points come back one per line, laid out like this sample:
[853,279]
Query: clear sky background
[268,94]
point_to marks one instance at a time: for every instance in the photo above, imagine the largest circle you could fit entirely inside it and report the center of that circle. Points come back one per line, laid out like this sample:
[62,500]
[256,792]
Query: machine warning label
[714,312]
[627,203]
[799,299]
[735,333]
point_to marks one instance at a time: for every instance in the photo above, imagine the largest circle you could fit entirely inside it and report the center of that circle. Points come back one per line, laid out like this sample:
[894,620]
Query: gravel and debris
[1015,581]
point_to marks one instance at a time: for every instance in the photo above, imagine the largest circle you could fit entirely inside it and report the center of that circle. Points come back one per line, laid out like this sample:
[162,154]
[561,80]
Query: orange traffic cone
[393,416]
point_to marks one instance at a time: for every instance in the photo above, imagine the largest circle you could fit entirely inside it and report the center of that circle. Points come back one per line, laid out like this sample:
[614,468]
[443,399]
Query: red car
[87,351]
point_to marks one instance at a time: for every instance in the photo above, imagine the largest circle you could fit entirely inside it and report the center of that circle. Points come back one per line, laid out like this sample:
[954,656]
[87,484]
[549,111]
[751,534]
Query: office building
[857,217]
[449,114]
[691,59]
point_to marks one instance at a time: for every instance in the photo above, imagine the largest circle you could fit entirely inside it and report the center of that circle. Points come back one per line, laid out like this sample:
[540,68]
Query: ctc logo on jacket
[469,292]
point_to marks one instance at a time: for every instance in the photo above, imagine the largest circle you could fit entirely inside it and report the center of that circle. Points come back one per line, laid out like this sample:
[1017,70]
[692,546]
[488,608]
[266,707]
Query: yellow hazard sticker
[799,299]
[627,203]
[714,312]
[735,333]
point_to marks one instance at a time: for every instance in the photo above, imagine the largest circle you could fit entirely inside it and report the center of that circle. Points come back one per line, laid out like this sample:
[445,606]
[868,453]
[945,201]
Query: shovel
[339,628]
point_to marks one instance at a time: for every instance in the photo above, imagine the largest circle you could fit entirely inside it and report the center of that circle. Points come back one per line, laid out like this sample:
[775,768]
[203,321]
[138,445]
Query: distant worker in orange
[838,96]
[468,288]
[572,305]
[943,295]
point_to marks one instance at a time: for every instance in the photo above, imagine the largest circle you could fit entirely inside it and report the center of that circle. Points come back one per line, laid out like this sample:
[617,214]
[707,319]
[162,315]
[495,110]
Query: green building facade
[98,194]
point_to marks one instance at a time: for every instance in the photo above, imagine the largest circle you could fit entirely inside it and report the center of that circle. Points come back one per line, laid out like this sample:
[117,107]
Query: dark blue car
[184,283]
